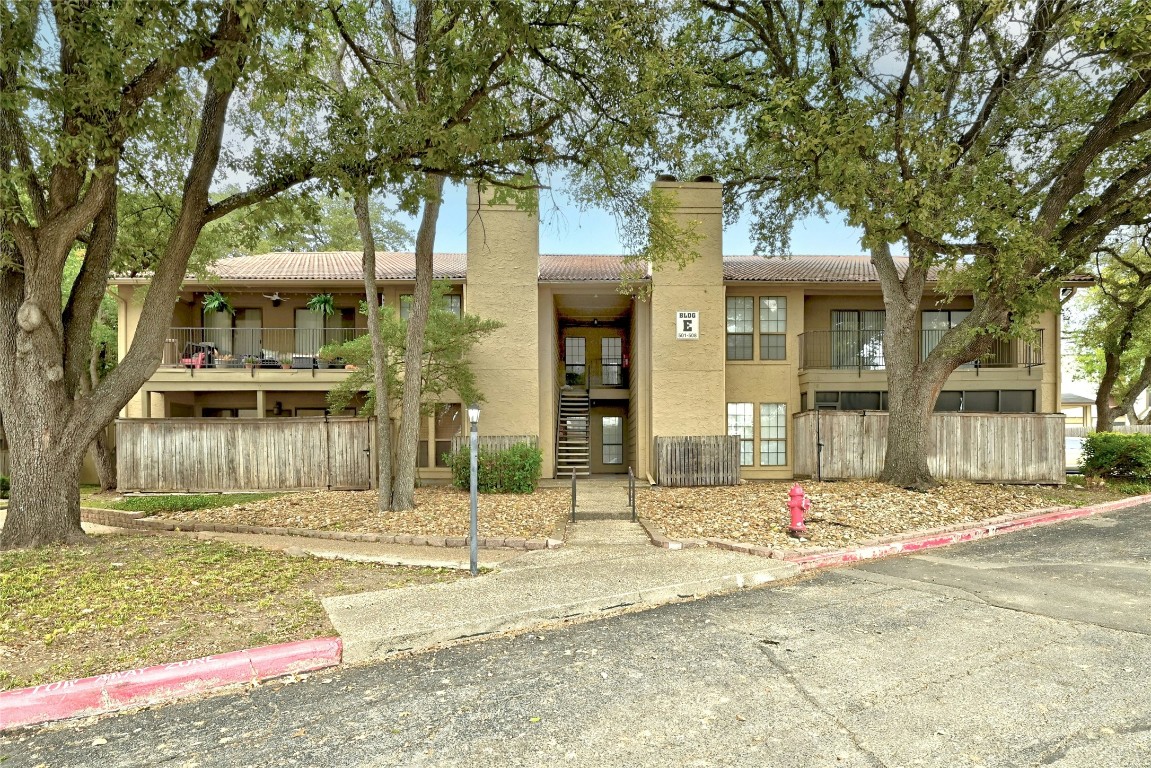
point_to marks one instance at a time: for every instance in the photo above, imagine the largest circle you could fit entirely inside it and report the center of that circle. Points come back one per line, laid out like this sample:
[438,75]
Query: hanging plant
[217,302]
[323,303]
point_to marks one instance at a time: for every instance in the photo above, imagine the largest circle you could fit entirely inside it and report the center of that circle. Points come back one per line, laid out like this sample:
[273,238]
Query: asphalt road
[1033,649]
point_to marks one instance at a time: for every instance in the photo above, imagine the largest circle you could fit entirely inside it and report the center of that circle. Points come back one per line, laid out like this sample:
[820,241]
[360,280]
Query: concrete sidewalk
[605,565]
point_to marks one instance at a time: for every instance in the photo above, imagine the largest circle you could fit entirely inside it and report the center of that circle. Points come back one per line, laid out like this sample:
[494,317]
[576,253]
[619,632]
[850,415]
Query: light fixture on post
[474,421]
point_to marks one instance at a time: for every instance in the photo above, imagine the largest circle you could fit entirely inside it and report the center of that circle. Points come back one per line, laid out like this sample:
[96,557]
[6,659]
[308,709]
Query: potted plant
[250,361]
[217,302]
[323,304]
[286,362]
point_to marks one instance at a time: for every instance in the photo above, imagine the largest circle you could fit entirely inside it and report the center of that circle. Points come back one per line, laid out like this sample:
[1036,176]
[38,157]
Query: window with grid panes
[772,434]
[772,328]
[740,335]
[741,423]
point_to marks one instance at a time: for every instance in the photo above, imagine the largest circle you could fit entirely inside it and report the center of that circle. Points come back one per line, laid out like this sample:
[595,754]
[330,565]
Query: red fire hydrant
[798,503]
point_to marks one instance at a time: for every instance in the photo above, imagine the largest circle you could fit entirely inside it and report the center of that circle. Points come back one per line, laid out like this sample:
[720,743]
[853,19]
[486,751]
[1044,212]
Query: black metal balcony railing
[263,347]
[610,374]
[863,351]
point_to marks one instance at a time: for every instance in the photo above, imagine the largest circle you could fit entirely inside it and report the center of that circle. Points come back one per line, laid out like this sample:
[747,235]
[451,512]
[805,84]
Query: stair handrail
[631,492]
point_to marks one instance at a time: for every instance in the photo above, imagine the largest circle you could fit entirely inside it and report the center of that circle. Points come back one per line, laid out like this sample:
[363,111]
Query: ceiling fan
[274,298]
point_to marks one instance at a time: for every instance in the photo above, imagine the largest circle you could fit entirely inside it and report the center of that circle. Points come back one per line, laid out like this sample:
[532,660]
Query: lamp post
[474,420]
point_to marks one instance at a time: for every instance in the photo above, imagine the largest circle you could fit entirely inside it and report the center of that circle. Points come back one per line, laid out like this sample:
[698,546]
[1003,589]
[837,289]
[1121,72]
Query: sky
[564,228]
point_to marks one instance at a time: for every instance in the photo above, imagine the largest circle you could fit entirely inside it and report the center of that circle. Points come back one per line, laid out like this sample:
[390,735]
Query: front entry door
[609,443]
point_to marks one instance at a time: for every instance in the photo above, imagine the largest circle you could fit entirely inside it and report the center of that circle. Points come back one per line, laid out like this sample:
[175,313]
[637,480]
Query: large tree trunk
[913,384]
[379,355]
[44,353]
[44,501]
[403,493]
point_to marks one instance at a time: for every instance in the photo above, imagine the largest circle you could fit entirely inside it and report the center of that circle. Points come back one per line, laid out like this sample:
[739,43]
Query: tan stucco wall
[549,397]
[639,393]
[767,381]
[503,284]
[687,376]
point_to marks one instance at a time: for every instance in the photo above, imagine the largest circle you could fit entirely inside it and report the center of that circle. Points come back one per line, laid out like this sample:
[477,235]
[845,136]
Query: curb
[132,521]
[903,543]
[164,682]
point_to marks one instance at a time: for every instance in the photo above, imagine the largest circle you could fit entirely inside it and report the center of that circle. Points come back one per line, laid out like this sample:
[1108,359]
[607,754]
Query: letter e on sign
[686,325]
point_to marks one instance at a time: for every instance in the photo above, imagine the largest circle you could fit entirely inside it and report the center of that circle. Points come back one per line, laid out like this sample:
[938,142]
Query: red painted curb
[163,682]
[931,540]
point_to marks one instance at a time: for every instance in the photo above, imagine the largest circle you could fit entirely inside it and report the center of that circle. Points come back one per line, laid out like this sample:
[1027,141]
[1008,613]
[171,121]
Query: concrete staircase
[573,444]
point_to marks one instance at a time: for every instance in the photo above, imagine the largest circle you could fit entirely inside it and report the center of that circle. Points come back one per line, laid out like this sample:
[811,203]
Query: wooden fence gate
[697,460]
[208,455]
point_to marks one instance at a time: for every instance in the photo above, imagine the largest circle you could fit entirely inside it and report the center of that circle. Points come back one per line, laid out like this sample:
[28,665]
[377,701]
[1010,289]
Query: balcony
[863,351]
[210,348]
[609,374]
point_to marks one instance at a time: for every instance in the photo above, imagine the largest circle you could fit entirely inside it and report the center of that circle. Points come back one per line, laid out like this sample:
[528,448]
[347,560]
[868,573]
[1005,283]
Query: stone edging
[135,521]
[818,557]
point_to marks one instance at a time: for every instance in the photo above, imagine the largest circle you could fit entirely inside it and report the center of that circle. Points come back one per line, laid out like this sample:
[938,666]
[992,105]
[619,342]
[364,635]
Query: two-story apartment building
[727,345]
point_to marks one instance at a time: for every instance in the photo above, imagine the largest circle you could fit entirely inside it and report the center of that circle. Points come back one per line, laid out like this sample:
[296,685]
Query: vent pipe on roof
[665,177]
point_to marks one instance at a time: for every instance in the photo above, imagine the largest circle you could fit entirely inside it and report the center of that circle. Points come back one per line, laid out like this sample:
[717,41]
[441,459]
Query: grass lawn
[125,601]
[162,503]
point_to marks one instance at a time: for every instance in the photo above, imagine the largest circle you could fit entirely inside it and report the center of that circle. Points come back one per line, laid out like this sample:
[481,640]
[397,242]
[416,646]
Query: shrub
[513,470]
[5,486]
[1117,454]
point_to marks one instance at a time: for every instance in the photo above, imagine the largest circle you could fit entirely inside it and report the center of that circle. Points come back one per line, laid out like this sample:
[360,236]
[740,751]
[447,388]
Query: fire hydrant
[798,503]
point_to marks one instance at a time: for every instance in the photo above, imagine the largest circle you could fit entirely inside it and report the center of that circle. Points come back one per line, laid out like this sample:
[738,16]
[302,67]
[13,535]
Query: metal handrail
[573,494]
[631,492]
[862,350]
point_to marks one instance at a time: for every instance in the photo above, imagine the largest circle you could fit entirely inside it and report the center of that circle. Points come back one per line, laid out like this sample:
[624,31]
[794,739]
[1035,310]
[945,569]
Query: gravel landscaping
[440,511]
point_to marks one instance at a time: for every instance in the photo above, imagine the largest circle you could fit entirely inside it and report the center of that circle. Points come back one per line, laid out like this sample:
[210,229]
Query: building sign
[687,325]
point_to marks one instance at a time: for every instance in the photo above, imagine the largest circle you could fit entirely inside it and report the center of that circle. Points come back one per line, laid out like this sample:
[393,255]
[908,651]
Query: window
[772,434]
[740,422]
[405,305]
[612,440]
[857,338]
[772,328]
[611,361]
[313,330]
[575,360]
[454,303]
[740,312]
[449,424]
[936,323]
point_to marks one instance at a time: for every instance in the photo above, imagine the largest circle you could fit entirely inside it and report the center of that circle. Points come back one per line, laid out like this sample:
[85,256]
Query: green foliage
[5,486]
[1117,454]
[948,128]
[515,469]
[323,303]
[180,502]
[448,340]
[1111,330]
[217,302]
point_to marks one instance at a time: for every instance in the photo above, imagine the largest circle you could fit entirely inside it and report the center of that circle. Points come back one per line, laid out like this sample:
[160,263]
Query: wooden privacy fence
[981,447]
[1084,431]
[195,455]
[494,442]
[697,460]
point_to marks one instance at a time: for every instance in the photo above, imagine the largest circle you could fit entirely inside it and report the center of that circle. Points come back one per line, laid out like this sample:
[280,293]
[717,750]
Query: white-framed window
[612,439]
[741,423]
[740,328]
[772,327]
[772,434]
